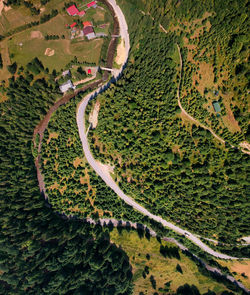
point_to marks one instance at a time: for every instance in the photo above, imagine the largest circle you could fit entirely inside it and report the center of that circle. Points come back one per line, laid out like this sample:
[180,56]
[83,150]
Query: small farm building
[66,86]
[66,73]
[81,13]
[72,10]
[87,24]
[216,106]
[92,4]
[89,32]
[89,71]
[73,25]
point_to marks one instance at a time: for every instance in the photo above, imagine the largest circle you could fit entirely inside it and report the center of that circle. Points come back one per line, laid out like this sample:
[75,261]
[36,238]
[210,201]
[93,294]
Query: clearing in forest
[121,53]
[241,270]
[93,116]
[145,254]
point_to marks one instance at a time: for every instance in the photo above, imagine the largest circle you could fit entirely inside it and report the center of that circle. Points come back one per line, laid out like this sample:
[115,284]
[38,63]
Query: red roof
[89,71]
[91,4]
[81,13]
[87,24]
[73,25]
[72,10]
[88,30]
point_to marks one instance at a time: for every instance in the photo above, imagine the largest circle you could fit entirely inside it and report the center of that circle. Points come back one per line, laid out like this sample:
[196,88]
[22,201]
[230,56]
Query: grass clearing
[23,48]
[163,269]
[4,73]
[239,268]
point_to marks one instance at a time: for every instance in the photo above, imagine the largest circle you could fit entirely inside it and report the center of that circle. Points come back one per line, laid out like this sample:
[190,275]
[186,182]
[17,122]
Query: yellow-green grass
[4,73]
[238,268]
[163,269]
[14,18]
[17,17]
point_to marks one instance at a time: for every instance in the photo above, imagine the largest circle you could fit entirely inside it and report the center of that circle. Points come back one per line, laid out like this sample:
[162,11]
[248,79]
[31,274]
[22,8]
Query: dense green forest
[173,168]
[170,166]
[41,253]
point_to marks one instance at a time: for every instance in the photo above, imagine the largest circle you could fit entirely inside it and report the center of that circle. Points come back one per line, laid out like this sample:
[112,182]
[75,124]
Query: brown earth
[36,35]
[52,135]
[49,52]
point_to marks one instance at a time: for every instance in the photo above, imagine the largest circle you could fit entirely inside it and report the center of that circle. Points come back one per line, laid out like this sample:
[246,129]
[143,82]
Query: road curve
[80,117]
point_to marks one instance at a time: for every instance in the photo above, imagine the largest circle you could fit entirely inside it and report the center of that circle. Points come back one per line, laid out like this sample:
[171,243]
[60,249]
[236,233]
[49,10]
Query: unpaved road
[80,117]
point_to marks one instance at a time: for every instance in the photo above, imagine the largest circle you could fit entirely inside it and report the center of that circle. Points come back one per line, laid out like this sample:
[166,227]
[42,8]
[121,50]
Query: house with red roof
[89,72]
[92,4]
[72,10]
[73,25]
[81,13]
[89,32]
[87,24]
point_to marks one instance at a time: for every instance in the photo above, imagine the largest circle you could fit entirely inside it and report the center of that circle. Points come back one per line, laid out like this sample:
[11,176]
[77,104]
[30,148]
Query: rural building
[66,73]
[89,32]
[89,72]
[66,86]
[87,24]
[92,4]
[73,25]
[72,10]
[81,13]
[216,106]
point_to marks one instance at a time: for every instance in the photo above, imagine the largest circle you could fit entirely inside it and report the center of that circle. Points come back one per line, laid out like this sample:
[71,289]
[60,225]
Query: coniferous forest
[168,164]
[40,252]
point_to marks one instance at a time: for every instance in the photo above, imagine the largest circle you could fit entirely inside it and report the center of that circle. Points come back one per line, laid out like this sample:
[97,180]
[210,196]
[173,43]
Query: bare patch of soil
[121,53]
[1,6]
[93,116]
[52,135]
[77,162]
[204,77]
[54,186]
[49,52]
[246,146]
[36,35]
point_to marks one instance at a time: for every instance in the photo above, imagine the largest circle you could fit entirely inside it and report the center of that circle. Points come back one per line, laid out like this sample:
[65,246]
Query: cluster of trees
[47,17]
[174,170]
[53,37]
[40,252]
[12,68]
[170,251]
[44,2]
[32,8]
[35,66]
[26,3]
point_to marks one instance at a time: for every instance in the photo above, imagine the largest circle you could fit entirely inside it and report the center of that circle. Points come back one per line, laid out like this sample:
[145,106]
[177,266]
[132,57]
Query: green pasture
[23,48]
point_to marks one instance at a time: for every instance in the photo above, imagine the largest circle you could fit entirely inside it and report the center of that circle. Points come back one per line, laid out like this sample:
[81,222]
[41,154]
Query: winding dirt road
[80,117]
